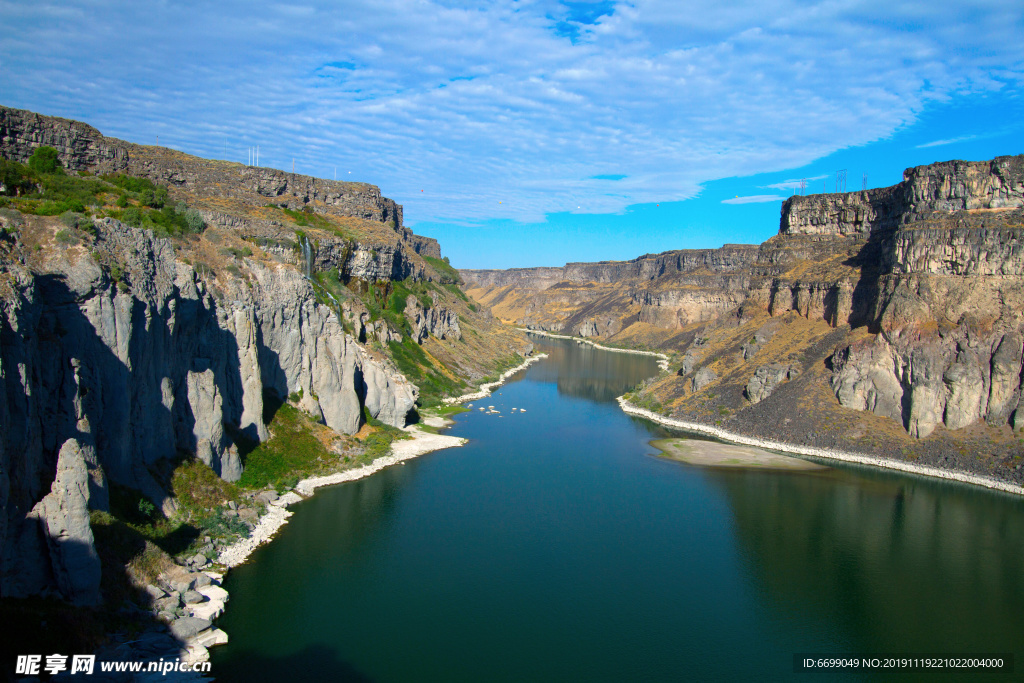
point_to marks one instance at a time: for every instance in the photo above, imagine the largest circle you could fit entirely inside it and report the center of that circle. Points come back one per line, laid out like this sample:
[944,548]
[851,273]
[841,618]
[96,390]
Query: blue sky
[539,132]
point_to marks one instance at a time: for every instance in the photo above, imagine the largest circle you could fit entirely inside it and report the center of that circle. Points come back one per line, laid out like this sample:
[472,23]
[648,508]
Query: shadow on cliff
[48,625]
[314,663]
[133,406]
[865,291]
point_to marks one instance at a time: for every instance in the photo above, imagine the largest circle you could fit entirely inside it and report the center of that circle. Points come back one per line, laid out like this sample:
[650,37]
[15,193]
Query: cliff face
[906,302]
[113,377]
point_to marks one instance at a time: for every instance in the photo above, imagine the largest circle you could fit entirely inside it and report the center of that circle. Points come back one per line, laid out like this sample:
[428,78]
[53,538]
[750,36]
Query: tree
[15,179]
[45,161]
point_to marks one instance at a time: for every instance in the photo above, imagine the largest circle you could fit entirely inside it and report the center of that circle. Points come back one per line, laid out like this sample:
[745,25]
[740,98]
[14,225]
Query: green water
[556,547]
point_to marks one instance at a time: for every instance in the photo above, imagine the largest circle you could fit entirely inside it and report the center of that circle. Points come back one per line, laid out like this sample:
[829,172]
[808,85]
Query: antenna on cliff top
[841,180]
[803,185]
[864,182]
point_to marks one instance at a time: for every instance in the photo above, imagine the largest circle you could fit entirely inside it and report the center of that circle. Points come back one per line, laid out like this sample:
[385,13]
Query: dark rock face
[946,187]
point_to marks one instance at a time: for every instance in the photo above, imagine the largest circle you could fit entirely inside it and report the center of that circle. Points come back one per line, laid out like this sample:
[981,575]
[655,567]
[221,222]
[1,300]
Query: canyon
[901,303]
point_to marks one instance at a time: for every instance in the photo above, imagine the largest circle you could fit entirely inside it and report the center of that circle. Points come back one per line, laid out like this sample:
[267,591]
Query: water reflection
[582,371]
[900,564]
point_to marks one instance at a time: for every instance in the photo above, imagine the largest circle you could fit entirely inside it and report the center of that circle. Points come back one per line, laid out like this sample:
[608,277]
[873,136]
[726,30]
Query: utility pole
[841,180]
[864,182]
[803,185]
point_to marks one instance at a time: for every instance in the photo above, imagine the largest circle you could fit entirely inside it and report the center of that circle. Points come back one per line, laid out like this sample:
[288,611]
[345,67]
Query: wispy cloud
[793,183]
[950,141]
[452,109]
[754,199]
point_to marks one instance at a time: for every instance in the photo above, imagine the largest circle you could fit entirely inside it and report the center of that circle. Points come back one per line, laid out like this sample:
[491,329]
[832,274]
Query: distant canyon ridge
[889,321]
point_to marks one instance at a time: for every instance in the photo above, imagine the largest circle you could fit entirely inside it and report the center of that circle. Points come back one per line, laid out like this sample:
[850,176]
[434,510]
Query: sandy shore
[662,358]
[714,454]
[485,389]
[277,513]
[859,458]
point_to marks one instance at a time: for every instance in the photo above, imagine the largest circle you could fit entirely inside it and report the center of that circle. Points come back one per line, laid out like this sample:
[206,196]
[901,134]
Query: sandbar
[713,454]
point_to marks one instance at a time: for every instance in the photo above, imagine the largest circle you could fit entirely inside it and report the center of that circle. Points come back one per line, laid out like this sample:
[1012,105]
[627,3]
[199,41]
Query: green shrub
[199,490]
[66,237]
[16,178]
[72,219]
[132,216]
[130,183]
[45,161]
[194,221]
[416,366]
[444,269]
[293,450]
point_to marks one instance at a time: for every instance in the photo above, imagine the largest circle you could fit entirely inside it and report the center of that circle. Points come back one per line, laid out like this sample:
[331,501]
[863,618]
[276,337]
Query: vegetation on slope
[43,188]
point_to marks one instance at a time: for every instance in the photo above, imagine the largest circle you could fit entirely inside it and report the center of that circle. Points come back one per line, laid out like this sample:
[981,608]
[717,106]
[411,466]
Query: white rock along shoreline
[485,389]
[662,358]
[277,513]
[826,453]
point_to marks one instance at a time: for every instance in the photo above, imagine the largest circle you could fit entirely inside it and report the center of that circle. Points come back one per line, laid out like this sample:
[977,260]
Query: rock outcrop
[766,379]
[435,320]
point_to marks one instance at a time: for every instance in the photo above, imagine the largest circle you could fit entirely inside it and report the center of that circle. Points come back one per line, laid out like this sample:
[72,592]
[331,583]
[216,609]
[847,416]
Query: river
[556,546]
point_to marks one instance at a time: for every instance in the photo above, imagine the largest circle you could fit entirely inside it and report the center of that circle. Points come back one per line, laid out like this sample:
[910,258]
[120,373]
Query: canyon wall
[102,379]
[931,268]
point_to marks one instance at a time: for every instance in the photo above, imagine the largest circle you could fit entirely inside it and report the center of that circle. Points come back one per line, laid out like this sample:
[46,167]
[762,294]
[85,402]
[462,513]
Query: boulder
[702,378]
[267,497]
[192,597]
[186,627]
[766,379]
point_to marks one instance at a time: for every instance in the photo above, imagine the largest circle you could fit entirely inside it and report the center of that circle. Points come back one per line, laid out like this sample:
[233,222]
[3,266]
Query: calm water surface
[556,547]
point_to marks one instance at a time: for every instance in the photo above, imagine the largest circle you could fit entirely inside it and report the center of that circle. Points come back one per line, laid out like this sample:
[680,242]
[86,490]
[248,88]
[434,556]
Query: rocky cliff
[113,377]
[903,302]
[128,349]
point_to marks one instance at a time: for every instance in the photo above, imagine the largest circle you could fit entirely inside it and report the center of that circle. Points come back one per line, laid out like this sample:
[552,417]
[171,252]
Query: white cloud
[481,104]
[794,183]
[950,141]
[754,199]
